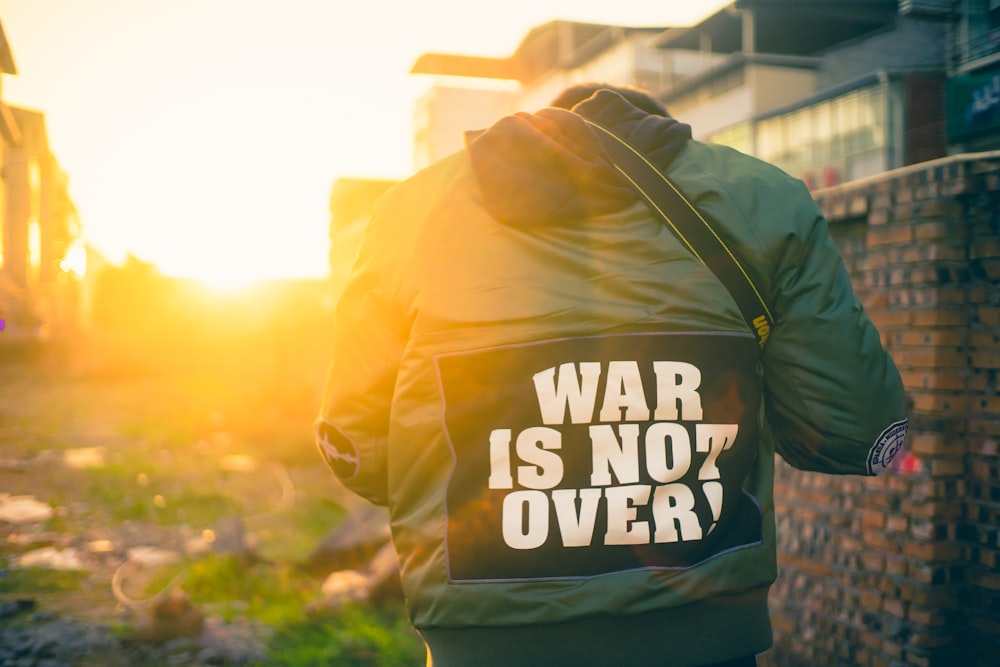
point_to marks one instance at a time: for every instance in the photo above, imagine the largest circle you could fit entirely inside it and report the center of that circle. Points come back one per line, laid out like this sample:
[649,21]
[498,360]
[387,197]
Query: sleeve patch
[339,452]
[888,444]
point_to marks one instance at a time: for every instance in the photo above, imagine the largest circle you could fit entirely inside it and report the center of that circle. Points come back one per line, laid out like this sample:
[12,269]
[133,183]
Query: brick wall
[904,569]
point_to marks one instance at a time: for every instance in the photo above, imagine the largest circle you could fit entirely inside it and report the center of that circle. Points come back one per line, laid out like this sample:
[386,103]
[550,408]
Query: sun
[228,279]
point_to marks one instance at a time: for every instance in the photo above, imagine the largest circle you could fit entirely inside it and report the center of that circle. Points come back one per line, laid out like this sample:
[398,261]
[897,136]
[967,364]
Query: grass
[280,596]
[36,580]
[357,636]
[167,412]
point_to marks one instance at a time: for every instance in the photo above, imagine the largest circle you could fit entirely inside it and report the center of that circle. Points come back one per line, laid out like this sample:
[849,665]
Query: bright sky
[204,135]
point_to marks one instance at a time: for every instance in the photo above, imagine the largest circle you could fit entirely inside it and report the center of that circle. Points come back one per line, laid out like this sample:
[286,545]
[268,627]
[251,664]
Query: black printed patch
[585,456]
[338,450]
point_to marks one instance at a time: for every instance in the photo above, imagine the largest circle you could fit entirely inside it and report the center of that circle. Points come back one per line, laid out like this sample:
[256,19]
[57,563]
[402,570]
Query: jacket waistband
[702,633]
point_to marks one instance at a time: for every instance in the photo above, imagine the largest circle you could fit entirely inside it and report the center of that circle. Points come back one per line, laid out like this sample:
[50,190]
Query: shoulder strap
[693,230]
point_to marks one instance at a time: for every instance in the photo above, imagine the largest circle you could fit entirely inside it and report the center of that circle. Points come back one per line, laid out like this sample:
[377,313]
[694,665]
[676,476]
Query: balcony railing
[976,48]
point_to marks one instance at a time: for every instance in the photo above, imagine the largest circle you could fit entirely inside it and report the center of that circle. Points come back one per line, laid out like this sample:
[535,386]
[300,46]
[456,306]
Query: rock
[23,509]
[53,643]
[345,586]
[10,608]
[85,457]
[147,556]
[230,538]
[172,616]
[49,557]
[352,543]
[14,465]
[377,583]
[383,573]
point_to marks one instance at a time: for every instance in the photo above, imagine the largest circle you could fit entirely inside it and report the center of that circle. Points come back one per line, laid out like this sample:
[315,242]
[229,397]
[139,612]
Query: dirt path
[117,461]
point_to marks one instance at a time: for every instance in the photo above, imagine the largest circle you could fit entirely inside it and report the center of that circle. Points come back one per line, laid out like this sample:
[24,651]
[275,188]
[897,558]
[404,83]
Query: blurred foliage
[231,587]
[169,380]
[250,361]
[356,636]
[34,580]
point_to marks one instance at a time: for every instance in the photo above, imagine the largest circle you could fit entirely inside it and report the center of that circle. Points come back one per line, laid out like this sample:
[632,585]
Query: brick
[934,380]
[879,217]
[896,566]
[927,617]
[897,523]
[988,315]
[944,467]
[933,551]
[923,530]
[984,578]
[933,509]
[985,248]
[939,317]
[928,190]
[872,519]
[959,187]
[933,231]
[941,252]
[879,540]
[986,359]
[942,208]
[918,659]
[936,444]
[931,639]
[881,200]
[929,597]
[890,235]
[985,339]
[857,205]
[891,318]
[988,404]
[879,660]
[990,269]
[871,600]
[941,403]
[895,608]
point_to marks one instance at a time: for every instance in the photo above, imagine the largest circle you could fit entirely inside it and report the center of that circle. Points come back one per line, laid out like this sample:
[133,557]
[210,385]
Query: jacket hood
[549,167]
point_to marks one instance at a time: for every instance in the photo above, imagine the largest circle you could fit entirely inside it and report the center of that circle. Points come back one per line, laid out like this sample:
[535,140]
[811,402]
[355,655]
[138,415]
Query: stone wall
[902,569]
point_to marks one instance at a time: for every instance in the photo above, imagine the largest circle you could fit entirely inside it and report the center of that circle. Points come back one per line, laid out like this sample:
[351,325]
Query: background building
[973,95]
[828,91]
[42,257]
[471,92]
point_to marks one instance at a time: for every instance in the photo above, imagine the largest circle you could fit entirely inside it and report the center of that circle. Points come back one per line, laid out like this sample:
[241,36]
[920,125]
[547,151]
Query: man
[571,424]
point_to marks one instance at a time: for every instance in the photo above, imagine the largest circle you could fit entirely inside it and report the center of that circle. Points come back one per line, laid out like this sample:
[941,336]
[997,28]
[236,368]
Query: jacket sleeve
[369,334]
[834,398]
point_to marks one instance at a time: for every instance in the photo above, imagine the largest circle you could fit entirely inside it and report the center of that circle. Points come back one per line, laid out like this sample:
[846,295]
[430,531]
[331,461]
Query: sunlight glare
[75,261]
[226,280]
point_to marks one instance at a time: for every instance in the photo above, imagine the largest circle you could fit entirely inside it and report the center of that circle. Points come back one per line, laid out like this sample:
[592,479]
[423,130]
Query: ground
[175,464]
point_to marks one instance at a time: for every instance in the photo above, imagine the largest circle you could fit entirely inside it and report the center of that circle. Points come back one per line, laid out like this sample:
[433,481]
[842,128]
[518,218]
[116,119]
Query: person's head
[640,98]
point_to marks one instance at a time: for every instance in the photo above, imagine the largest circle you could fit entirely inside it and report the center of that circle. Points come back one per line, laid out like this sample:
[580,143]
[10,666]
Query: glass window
[736,136]
[830,141]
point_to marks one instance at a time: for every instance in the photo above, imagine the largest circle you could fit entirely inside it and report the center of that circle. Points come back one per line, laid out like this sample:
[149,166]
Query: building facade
[830,92]
[549,58]
[42,257]
[973,91]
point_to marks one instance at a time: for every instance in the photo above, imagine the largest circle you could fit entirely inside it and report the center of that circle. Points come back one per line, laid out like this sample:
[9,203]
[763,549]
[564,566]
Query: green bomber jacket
[572,426]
